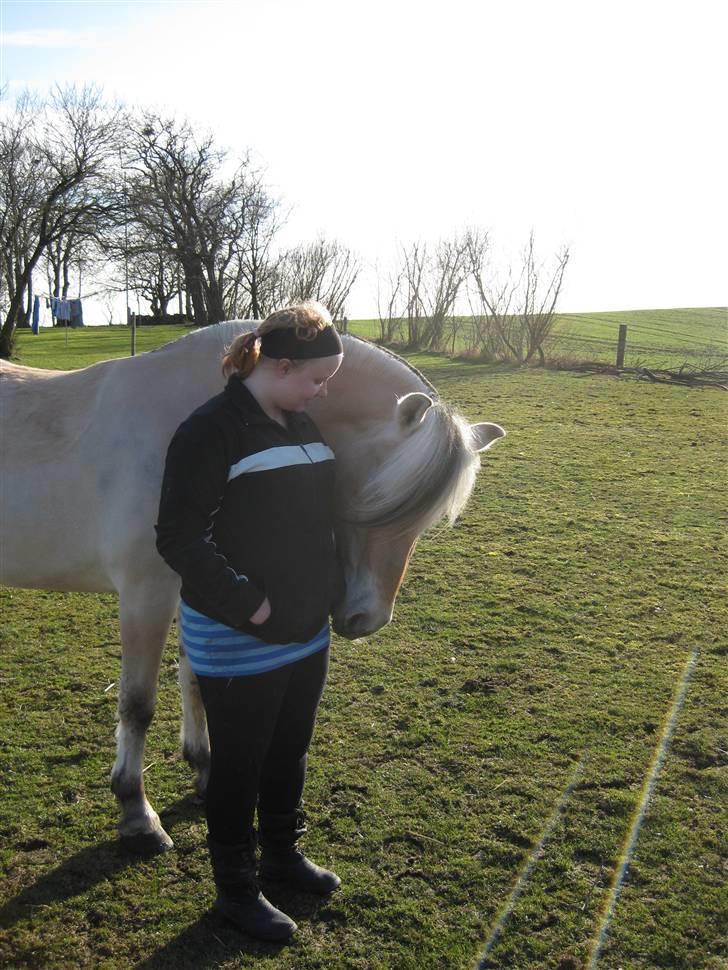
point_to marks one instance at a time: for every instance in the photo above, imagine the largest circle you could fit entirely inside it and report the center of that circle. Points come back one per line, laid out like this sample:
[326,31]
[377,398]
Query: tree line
[511,314]
[136,201]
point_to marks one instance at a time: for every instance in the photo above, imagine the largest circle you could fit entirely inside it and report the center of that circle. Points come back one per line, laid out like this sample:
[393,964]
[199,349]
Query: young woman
[246,519]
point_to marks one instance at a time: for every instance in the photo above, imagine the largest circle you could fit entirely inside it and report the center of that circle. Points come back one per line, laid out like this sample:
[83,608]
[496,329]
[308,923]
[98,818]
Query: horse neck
[361,396]
[366,388]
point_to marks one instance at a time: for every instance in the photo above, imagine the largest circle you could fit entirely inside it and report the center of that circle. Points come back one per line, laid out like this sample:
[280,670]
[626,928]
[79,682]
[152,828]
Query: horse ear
[483,435]
[412,408]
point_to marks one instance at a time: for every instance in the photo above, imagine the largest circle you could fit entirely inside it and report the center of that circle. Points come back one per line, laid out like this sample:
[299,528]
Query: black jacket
[246,512]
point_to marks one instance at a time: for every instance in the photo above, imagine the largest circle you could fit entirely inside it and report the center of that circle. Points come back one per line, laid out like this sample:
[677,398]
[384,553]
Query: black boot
[282,860]
[239,898]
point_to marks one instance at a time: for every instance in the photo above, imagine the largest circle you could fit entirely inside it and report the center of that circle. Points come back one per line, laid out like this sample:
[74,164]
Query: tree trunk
[29,307]
[213,295]
[64,292]
[7,334]
[193,281]
[254,304]
[215,310]
[6,340]
[21,319]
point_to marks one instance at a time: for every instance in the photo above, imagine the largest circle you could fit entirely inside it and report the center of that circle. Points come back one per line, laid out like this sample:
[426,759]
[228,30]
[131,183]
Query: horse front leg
[194,737]
[145,621]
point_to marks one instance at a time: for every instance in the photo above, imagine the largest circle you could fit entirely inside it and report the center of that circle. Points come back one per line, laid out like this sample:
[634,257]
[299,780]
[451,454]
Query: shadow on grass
[87,868]
[185,809]
[208,942]
[211,941]
[72,878]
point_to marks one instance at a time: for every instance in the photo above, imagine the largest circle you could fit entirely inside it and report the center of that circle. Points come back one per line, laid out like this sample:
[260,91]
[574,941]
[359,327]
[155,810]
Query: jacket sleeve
[195,476]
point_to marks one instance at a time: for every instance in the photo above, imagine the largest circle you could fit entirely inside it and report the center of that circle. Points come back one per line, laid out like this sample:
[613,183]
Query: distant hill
[653,336]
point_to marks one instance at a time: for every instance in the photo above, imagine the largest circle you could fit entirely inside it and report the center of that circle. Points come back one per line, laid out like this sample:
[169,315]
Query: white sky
[602,126]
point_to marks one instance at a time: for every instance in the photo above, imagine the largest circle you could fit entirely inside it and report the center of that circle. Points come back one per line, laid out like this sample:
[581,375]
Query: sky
[600,126]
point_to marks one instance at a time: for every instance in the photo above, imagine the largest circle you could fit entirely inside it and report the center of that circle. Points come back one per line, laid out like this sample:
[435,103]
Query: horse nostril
[356,625]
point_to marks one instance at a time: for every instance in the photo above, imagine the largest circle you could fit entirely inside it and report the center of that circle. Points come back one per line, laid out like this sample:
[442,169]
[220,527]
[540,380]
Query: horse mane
[431,473]
[427,478]
[400,360]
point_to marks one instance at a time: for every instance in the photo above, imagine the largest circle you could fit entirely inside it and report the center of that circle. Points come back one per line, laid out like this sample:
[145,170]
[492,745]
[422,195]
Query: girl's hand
[262,613]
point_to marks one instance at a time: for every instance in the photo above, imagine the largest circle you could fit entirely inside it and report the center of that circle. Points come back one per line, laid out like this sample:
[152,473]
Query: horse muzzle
[353,624]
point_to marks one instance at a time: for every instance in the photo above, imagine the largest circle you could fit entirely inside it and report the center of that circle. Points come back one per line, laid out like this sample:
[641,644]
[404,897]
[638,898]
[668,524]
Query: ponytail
[242,355]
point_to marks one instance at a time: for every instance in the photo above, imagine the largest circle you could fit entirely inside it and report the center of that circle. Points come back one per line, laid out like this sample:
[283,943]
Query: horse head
[409,466]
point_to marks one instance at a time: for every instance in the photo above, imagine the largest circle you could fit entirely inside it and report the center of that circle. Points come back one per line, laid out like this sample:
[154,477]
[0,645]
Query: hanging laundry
[36,314]
[61,309]
[76,313]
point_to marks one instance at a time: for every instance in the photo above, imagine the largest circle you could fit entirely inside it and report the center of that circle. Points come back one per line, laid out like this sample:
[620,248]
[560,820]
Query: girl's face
[298,384]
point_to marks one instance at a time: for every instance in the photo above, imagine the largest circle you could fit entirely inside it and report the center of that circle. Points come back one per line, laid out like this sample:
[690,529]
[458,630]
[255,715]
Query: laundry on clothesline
[69,311]
[61,309]
[76,313]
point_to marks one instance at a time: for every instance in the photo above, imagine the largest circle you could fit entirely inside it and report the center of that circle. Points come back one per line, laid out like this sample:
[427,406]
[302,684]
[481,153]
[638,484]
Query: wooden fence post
[621,344]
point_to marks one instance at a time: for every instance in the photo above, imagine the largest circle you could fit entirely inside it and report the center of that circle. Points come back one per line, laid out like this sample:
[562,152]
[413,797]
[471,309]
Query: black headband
[283,343]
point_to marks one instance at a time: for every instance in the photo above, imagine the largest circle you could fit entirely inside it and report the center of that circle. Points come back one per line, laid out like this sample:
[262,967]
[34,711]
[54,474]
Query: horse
[82,461]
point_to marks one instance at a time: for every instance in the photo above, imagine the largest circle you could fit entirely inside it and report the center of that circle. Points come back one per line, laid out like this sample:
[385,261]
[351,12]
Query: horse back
[44,412]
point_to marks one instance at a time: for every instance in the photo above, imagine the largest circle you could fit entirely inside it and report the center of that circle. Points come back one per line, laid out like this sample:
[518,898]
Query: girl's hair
[244,352]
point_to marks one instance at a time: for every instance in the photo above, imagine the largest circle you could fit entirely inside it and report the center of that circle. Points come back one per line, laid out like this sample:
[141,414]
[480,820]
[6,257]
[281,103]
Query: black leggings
[260,730]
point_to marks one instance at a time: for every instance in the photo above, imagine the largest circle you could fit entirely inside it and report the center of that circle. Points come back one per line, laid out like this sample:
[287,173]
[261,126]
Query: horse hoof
[147,843]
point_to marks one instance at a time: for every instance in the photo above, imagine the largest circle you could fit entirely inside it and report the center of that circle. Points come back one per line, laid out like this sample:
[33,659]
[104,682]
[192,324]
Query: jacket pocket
[278,628]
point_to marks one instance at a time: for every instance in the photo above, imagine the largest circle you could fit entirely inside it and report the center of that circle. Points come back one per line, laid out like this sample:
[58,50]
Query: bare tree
[73,257]
[53,168]
[252,272]
[514,318]
[490,302]
[448,272]
[390,307]
[323,270]
[432,281]
[153,274]
[20,188]
[187,207]
[537,307]
[414,268]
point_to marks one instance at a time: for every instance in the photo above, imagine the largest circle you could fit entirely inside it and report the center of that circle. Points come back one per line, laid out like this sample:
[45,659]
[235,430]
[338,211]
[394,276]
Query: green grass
[60,349]
[656,338]
[553,623]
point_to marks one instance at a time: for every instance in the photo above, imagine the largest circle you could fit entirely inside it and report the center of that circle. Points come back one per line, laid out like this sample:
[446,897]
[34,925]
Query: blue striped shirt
[216,650]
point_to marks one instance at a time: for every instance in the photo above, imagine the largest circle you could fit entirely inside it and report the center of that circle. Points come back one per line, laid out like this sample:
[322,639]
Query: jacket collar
[247,403]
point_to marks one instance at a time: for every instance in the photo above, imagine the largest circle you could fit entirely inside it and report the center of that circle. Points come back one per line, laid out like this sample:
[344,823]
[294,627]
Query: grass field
[548,704]
[657,338]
